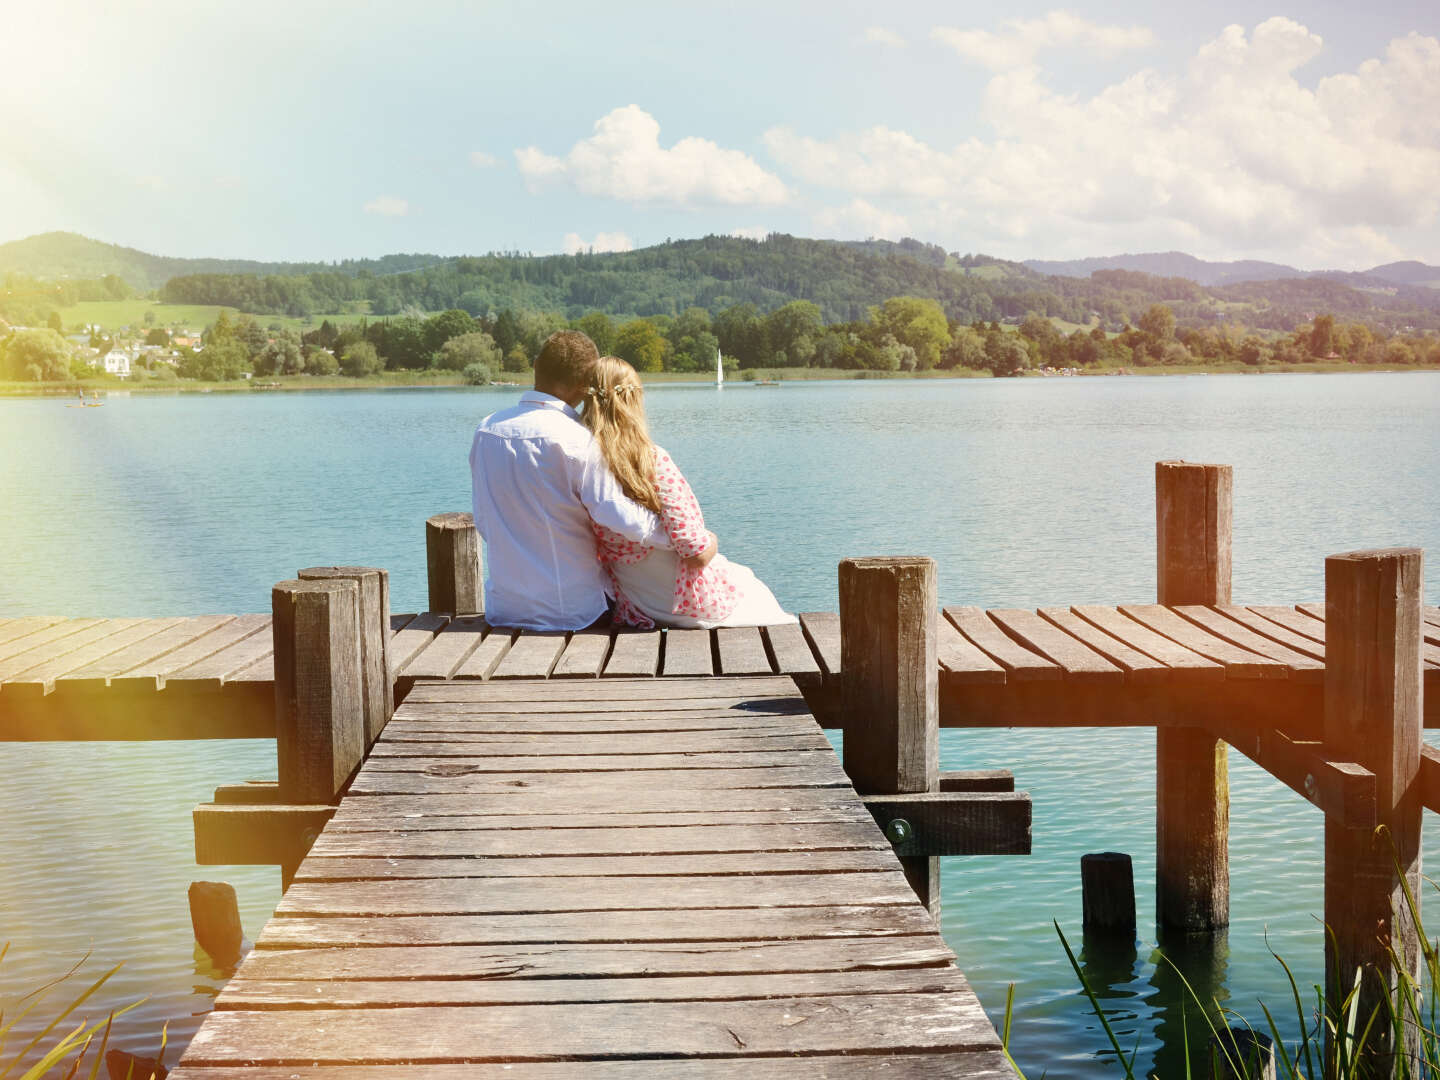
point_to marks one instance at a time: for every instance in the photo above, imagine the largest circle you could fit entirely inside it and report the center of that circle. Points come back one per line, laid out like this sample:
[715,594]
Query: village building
[117,362]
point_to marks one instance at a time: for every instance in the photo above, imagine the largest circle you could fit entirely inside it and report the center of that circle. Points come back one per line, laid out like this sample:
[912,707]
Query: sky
[1307,134]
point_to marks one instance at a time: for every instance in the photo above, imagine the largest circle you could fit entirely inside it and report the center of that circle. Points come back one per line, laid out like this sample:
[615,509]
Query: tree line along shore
[902,335]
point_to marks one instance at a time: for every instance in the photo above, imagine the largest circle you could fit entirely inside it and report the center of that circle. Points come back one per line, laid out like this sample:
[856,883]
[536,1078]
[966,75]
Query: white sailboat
[719,369]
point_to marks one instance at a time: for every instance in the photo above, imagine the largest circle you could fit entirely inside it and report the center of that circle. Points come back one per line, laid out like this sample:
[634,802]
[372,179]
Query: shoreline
[452,381]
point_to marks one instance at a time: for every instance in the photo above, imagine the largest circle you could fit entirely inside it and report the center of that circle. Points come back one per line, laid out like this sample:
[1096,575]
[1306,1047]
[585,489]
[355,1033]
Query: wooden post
[319,717]
[1192,777]
[452,561]
[1107,888]
[1373,716]
[215,916]
[1241,1053]
[890,688]
[374,585]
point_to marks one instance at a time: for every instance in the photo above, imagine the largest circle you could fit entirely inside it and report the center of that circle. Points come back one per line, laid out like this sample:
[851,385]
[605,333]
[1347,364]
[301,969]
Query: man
[537,482]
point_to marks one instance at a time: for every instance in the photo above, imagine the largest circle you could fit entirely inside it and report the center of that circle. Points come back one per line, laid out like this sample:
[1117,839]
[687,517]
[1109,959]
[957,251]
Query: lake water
[1026,492]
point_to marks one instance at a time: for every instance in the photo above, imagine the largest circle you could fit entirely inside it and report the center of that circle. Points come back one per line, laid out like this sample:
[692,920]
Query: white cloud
[752,232]
[605,241]
[1022,39]
[387,206]
[1233,153]
[481,160]
[881,35]
[860,220]
[624,160]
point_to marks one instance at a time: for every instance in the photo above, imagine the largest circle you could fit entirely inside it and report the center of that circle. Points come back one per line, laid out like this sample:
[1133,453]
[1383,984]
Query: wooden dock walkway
[658,879]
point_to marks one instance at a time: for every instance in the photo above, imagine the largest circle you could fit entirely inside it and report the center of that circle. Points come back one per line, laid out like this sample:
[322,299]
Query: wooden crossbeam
[1430,777]
[260,834]
[955,822]
[1343,789]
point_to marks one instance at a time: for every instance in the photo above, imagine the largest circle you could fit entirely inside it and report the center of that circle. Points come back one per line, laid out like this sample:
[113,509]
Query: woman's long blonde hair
[615,414]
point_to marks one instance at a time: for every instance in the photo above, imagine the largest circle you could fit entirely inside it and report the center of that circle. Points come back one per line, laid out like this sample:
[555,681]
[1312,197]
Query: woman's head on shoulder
[615,413]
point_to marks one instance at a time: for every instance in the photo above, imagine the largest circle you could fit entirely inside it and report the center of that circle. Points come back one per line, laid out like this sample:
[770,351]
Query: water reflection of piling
[1190,978]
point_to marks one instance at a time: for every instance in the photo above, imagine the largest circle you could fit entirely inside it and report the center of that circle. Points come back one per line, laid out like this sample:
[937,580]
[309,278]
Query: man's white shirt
[537,481]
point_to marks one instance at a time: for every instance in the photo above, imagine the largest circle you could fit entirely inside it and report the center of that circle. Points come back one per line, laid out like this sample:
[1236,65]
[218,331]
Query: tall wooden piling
[1192,779]
[374,595]
[1373,715]
[452,563]
[319,713]
[890,688]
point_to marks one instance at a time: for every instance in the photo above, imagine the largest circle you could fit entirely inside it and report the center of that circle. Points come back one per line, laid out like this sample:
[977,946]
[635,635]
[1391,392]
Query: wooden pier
[637,850]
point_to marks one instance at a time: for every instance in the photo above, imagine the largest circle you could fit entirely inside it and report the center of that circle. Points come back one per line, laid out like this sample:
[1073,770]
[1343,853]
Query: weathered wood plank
[461,763]
[266,835]
[716,720]
[620,709]
[413,638]
[1239,663]
[389,992]
[688,653]
[213,671]
[431,743]
[35,639]
[1301,665]
[1078,661]
[380,782]
[978,1065]
[1185,664]
[822,631]
[351,819]
[39,680]
[487,656]
[530,656]
[1297,622]
[598,799]
[631,688]
[659,840]
[149,650]
[1274,631]
[839,861]
[700,924]
[58,641]
[151,674]
[584,656]
[635,652]
[793,655]
[24,626]
[742,651]
[1020,663]
[962,661]
[501,896]
[448,649]
[944,1021]
[1138,667]
[957,823]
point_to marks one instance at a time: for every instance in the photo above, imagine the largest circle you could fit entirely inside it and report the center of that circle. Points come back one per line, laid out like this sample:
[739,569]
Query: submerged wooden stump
[215,915]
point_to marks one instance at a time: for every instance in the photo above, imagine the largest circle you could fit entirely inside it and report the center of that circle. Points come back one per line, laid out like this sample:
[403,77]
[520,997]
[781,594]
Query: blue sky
[316,130]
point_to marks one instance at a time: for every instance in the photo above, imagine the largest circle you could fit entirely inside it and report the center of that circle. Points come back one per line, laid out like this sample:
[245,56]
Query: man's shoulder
[523,421]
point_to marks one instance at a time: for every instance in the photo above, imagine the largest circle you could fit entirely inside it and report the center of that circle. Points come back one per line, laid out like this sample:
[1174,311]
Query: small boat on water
[766,382]
[719,369]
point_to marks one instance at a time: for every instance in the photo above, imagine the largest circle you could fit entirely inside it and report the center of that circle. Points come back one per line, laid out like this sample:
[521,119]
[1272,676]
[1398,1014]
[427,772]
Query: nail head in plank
[742,651]
[1020,663]
[687,652]
[1184,663]
[531,655]
[635,653]
[584,656]
[1077,660]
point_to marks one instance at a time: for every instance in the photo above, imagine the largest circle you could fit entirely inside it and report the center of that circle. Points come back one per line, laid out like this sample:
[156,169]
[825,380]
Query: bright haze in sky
[1308,134]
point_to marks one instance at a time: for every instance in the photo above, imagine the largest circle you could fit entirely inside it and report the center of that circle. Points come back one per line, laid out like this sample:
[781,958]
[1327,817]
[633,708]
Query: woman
[692,585]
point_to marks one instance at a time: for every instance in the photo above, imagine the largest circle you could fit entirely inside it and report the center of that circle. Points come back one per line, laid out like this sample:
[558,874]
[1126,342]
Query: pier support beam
[890,688]
[452,563]
[1373,713]
[1192,778]
[319,713]
[374,586]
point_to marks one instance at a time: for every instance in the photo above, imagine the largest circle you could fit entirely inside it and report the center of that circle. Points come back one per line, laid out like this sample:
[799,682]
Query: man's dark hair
[566,359]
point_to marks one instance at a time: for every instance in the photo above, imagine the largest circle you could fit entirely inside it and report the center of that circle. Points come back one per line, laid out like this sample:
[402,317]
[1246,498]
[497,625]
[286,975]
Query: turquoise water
[1026,492]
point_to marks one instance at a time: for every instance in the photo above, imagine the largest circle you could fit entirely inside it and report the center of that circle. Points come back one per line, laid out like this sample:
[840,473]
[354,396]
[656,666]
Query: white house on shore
[117,362]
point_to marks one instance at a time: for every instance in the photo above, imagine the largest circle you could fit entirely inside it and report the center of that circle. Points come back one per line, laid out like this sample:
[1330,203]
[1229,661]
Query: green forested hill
[62,255]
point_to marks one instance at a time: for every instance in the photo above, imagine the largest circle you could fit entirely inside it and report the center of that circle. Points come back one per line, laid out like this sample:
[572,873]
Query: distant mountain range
[57,255]
[1209,274]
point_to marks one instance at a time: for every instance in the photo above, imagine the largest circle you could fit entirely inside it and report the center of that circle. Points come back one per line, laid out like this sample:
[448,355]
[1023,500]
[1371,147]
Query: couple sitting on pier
[586,521]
